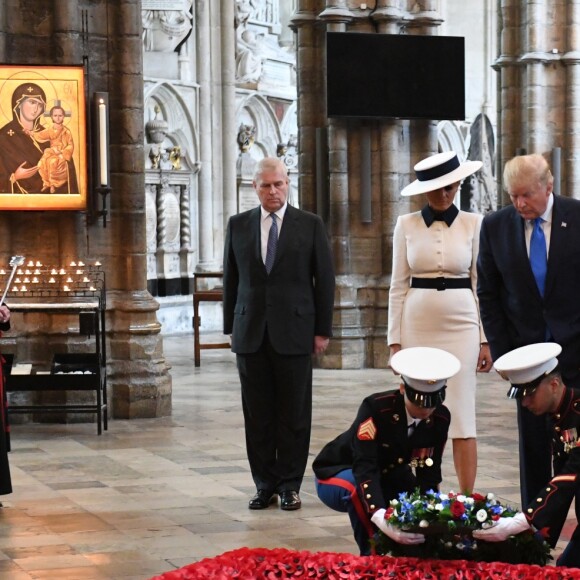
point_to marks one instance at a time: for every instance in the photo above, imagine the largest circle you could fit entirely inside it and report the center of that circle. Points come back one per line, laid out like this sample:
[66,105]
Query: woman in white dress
[433,300]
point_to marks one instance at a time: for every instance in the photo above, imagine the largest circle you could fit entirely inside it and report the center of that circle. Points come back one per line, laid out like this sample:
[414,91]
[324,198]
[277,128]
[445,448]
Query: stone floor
[152,495]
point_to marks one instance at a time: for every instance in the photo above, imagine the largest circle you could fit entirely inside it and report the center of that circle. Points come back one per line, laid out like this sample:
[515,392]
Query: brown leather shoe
[262,500]
[290,500]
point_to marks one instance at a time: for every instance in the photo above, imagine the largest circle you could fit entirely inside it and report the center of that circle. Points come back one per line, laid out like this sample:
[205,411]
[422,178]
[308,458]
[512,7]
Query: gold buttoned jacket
[385,460]
[549,510]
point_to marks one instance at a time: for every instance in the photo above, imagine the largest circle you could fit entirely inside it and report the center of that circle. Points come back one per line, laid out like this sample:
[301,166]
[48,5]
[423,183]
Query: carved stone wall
[362,249]
[107,34]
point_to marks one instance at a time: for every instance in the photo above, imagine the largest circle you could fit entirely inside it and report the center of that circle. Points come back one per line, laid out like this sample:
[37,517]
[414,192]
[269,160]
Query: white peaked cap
[424,368]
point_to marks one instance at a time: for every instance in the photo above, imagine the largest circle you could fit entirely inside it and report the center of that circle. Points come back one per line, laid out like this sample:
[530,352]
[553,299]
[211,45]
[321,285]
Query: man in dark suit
[523,302]
[278,304]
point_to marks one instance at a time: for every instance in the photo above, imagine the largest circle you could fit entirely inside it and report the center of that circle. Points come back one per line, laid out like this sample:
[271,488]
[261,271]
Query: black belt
[441,283]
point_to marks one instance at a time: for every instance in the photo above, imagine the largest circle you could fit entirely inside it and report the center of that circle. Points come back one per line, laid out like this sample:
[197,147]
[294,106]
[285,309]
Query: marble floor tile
[151,495]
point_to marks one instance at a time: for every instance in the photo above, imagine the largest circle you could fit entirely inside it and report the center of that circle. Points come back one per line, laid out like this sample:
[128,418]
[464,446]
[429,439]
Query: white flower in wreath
[461,498]
[481,515]
[443,496]
[469,501]
[490,496]
[423,524]
[439,507]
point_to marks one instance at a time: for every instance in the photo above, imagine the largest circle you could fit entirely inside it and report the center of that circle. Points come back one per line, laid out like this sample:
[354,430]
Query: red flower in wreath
[457,509]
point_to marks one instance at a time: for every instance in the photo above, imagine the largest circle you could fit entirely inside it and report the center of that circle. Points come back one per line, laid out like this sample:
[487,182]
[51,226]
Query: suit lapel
[557,242]
[286,233]
[256,234]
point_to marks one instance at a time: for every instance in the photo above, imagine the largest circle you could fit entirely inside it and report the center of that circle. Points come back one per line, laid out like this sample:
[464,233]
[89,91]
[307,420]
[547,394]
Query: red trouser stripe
[356,502]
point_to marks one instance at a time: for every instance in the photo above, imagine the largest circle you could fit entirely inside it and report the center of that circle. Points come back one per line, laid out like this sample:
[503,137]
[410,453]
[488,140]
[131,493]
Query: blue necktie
[538,255]
[272,243]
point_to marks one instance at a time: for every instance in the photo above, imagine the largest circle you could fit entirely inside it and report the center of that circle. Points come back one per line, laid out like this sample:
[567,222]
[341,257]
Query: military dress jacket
[385,460]
[549,510]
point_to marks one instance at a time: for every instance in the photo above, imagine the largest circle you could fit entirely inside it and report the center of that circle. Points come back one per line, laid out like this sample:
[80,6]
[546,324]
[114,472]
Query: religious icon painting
[43,144]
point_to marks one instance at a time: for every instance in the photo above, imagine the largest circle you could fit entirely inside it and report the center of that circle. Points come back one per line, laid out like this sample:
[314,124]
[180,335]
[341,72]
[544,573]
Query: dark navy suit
[514,314]
[273,319]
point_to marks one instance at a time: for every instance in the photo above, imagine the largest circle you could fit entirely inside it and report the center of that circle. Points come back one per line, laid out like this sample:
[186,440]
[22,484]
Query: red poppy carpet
[246,563]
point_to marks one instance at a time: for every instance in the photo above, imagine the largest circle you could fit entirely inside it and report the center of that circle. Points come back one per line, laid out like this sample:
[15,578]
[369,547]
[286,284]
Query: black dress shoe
[290,500]
[262,500]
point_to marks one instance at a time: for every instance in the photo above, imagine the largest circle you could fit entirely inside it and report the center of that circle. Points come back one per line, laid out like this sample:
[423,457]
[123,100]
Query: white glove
[503,529]
[378,518]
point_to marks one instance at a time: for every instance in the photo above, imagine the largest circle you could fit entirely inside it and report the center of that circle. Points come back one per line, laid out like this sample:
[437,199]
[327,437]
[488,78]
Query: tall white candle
[103,142]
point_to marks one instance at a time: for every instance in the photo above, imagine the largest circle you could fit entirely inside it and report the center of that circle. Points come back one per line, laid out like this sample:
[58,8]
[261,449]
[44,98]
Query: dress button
[400,460]
[539,500]
[368,496]
[365,485]
[557,429]
[530,510]
[372,506]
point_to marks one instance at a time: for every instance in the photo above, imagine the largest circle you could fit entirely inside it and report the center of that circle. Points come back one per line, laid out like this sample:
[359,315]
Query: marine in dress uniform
[395,444]
[536,380]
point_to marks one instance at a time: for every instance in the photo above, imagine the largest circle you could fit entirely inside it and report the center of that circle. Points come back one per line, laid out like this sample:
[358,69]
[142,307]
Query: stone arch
[256,111]
[453,136]
[175,110]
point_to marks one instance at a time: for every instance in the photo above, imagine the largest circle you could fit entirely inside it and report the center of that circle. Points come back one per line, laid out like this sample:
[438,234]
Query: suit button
[368,496]
[365,485]
[530,510]
[372,506]
[539,500]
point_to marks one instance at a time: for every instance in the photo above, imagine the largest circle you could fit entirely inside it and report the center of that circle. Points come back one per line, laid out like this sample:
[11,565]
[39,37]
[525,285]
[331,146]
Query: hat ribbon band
[439,171]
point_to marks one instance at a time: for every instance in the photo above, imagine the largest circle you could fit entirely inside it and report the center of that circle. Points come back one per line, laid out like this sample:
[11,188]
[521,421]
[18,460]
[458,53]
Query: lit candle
[31,264]
[81,263]
[51,281]
[69,280]
[97,263]
[35,280]
[23,289]
[14,288]
[38,264]
[73,264]
[2,272]
[66,288]
[85,279]
[103,141]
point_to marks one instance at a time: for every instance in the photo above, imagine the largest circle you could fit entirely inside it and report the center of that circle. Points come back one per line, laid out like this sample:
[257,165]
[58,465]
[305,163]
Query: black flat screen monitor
[395,76]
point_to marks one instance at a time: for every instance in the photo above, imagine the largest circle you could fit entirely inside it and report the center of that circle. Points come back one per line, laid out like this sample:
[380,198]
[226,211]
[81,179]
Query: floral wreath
[448,520]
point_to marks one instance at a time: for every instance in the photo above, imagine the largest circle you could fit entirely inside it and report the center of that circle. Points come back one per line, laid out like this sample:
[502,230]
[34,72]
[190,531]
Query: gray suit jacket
[295,301]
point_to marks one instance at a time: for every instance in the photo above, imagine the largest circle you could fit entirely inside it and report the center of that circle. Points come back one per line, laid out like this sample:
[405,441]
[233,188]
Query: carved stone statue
[246,137]
[164,30]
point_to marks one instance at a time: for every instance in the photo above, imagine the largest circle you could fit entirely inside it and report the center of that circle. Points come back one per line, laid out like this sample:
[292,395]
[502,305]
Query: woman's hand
[484,360]
[393,348]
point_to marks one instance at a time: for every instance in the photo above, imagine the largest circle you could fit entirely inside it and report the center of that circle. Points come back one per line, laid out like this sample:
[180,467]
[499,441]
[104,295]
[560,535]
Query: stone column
[393,156]
[138,373]
[206,191]
[571,60]
[509,94]
[229,129]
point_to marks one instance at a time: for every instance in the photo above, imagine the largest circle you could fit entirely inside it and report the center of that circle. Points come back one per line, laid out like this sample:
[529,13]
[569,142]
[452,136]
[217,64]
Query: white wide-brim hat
[438,171]
[425,370]
[526,367]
